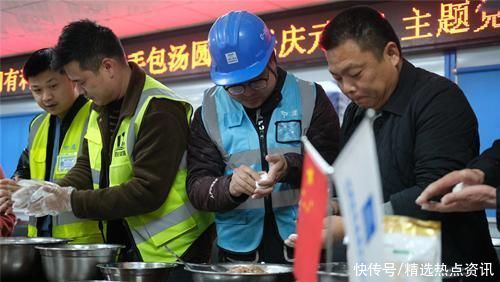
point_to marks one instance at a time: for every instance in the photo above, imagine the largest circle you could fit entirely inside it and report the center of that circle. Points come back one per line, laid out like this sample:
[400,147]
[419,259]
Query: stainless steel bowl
[219,272]
[137,271]
[76,262]
[339,272]
[19,259]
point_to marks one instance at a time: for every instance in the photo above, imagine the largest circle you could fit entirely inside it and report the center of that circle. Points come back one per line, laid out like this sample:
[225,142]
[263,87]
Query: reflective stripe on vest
[64,225]
[154,227]
[61,219]
[230,129]
[176,218]
[281,199]
[133,131]
[253,156]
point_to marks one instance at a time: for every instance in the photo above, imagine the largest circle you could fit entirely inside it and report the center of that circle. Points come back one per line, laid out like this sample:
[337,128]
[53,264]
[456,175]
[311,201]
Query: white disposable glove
[49,200]
[21,197]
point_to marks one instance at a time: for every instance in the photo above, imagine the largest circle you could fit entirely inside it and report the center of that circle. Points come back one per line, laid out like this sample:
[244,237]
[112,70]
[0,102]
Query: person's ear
[391,53]
[108,66]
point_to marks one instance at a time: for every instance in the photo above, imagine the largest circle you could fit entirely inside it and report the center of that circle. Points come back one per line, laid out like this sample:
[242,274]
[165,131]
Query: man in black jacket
[252,122]
[479,181]
[424,127]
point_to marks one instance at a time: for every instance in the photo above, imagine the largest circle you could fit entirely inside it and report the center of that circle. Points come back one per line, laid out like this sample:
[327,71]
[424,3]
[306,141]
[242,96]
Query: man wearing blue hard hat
[244,154]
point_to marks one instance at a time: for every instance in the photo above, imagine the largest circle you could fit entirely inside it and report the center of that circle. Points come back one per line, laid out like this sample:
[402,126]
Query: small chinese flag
[312,211]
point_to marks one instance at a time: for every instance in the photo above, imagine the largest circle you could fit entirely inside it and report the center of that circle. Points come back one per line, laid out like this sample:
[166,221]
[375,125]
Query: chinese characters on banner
[418,23]
[12,81]
[451,18]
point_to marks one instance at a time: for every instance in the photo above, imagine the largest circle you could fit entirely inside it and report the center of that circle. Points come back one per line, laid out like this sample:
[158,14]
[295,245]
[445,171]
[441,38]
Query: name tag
[288,131]
[66,162]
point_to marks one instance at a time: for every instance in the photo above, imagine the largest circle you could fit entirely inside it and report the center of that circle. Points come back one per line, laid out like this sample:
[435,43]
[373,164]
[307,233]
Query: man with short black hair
[127,175]
[54,143]
[424,127]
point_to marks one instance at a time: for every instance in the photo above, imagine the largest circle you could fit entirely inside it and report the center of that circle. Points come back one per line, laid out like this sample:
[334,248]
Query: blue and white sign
[357,181]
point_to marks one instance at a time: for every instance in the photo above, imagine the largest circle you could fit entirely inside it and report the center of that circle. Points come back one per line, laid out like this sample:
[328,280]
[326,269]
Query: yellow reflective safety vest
[176,223]
[64,225]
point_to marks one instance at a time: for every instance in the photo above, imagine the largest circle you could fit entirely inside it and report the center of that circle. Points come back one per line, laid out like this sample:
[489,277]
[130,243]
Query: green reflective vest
[64,225]
[176,223]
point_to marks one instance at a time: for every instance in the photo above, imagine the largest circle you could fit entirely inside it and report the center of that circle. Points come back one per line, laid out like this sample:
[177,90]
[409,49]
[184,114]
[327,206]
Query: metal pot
[76,262]
[137,271]
[19,259]
[219,272]
[339,272]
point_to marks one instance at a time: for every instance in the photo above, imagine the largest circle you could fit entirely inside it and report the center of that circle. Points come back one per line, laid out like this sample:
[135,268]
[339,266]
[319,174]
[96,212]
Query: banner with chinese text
[183,54]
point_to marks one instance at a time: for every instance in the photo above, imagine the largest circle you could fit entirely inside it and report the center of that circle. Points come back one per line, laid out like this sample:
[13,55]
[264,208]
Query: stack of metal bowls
[76,262]
[338,272]
[221,272]
[137,271]
[19,259]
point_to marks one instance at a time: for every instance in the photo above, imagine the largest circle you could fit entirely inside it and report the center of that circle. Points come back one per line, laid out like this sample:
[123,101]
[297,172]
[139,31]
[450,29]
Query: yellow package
[412,249]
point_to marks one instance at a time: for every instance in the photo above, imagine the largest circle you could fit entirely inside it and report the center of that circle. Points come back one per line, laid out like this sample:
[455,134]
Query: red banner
[312,211]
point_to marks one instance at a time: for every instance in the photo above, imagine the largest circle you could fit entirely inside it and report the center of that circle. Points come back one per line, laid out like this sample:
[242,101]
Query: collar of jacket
[133,93]
[401,96]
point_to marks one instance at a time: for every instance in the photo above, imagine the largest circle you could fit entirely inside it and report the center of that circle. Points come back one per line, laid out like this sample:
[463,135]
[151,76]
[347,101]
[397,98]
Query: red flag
[312,211]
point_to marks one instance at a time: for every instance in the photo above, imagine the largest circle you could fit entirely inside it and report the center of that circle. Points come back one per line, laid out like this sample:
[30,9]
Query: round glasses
[256,84]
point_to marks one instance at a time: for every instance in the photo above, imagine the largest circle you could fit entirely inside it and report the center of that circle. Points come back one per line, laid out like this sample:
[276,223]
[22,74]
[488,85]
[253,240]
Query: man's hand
[49,200]
[446,183]
[262,191]
[9,185]
[471,198]
[336,227]
[5,202]
[243,181]
[277,170]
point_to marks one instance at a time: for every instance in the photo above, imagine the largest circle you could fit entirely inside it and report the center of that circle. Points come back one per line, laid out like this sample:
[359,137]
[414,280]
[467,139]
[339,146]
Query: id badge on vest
[288,131]
[65,162]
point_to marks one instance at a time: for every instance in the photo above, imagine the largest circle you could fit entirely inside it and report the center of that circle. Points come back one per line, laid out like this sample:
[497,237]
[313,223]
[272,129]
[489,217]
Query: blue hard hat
[240,45]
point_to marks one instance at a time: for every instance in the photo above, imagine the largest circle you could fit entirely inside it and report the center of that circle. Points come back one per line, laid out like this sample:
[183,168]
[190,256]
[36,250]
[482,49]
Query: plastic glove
[21,197]
[48,200]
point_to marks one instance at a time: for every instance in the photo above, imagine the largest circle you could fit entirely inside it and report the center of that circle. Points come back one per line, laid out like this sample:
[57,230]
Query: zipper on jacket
[261,131]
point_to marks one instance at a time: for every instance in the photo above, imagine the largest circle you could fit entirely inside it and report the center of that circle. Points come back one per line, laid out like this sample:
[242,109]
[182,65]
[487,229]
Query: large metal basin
[339,272]
[76,262]
[137,271]
[19,258]
[219,272]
